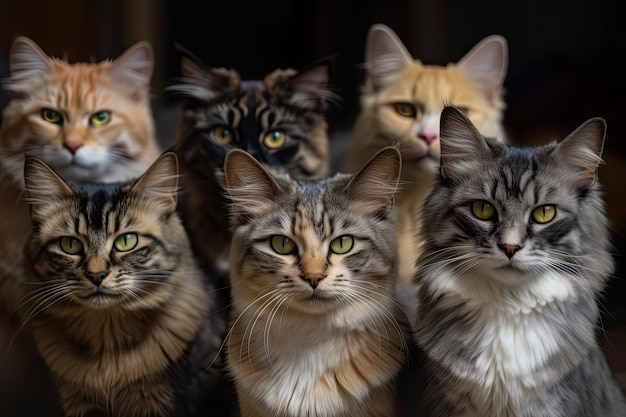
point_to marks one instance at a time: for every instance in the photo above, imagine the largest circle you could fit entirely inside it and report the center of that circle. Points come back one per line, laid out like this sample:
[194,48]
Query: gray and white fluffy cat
[516,256]
[120,311]
[319,323]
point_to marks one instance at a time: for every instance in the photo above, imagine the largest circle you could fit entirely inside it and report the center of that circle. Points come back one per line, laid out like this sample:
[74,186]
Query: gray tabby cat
[120,312]
[516,256]
[318,321]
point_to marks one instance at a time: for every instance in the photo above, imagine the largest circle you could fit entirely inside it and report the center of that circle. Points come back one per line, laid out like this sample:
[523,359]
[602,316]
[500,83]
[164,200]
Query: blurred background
[566,64]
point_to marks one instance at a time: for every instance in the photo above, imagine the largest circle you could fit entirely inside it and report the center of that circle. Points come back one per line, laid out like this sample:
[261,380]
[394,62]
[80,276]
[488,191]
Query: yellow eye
[483,210]
[282,244]
[100,119]
[274,139]
[126,242]
[223,135]
[52,116]
[342,244]
[544,214]
[405,109]
[70,245]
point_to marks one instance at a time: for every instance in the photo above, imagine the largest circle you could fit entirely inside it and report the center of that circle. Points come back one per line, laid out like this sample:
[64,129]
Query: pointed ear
[385,55]
[134,67]
[42,186]
[27,60]
[461,144]
[376,183]
[582,150]
[249,184]
[160,182]
[312,84]
[486,63]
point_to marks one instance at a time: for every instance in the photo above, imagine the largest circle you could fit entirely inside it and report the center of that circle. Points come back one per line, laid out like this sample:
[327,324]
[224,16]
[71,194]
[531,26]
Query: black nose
[97,277]
[510,250]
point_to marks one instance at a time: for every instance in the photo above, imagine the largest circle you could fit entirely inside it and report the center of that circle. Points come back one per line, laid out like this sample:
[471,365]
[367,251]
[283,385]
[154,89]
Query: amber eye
[405,109]
[52,116]
[282,244]
[274,139]
[70,245]
[100,119]
[126,242]
[223,135]
[483,210]
[544,214]
[342,244]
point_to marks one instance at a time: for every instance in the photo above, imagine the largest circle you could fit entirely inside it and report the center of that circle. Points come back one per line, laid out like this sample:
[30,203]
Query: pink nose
[72,147]
[428,137]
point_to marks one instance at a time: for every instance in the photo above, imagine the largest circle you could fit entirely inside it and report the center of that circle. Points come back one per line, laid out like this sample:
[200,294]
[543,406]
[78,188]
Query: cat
[516,256]
[88,121]
[319,324]
[401,102]
[280,120]
[120,311]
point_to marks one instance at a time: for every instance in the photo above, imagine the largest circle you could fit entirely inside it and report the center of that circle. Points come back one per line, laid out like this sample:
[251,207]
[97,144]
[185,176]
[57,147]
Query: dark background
[566,59]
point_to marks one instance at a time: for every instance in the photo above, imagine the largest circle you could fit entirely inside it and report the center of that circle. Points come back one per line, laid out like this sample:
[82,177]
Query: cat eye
[274,139]
[126,242]
[70,245]
[342,244]
[52,116]
[223,135]
[405,109]
[100,119]
[483,210]
[544,214]
[282,244]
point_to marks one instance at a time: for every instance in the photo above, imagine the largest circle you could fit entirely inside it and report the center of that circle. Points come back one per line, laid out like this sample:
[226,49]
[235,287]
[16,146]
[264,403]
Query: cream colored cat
[401,103]
[90,122]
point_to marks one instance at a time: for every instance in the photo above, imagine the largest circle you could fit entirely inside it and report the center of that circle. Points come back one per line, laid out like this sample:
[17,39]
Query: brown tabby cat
[402,101]
[319,322]
[120,311]
[279,120]
[90,122]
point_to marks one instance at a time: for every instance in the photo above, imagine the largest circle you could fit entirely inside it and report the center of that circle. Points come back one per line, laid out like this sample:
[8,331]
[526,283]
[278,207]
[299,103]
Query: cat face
[405,97]
[89,122]
[515,212]
[103,245]
[311,246]
[278,120]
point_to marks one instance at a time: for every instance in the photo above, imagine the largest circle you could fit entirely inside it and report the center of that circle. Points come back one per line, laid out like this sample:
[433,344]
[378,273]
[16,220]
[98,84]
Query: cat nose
[510,250]
[72,147]
[97,277]
[428,137]
[314,278]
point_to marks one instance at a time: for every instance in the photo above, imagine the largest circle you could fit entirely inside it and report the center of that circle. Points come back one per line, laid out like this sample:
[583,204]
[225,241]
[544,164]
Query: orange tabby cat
[91,122]
[402,101]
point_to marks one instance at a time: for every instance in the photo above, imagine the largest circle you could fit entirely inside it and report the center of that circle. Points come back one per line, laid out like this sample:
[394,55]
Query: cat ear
[385,55]
[160,182]
[486,63]
[310,85]
[249,184]
[582,150]
[42,186]
[460,142]
[27,60]
[376,183]
[134,67]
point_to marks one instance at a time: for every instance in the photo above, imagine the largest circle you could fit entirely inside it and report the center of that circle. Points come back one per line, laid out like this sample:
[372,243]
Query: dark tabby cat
[318,321]
[516,257]
[279,120]
[120,311]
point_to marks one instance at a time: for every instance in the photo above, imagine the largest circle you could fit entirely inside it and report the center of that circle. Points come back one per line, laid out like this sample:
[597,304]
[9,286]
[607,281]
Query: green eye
[70,245]
[52,116]
[342,244]
[100,119]
[483,210]
[274,139]
[405,109]
[223,135]
[544,214]
[282,244]
[126,242]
